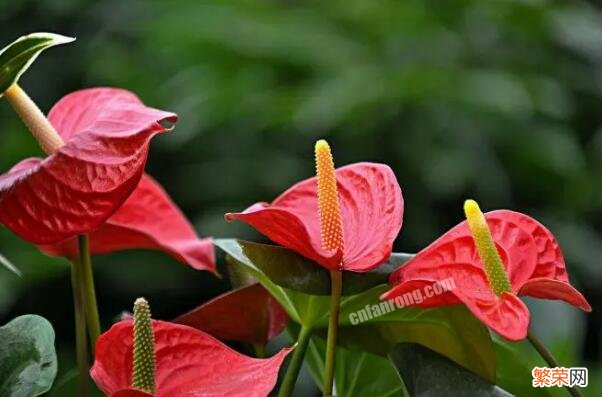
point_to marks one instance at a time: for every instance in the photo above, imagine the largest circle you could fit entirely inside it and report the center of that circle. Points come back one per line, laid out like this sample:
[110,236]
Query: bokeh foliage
[497,100]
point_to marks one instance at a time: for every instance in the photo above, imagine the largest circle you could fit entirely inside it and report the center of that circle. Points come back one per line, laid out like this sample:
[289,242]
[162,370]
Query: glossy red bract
[532,259]
[106,133]
[371,208]
[249,314]
[148,219]
[189,363]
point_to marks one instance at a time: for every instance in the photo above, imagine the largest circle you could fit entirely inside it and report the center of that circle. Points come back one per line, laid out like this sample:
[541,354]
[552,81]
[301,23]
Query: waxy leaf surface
[148,219]
[189,363]
[454,332]
[426,373]
[73,191]
[28,362]
[357,373]
[18,56]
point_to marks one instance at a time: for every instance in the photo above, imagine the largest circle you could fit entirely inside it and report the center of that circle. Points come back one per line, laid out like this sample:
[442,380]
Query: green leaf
[451,331]
[514,362]
[67,384]
[357,374]
[16,58]
[28,361]
[285,274]
[290,270]
[8,264]
[427,373]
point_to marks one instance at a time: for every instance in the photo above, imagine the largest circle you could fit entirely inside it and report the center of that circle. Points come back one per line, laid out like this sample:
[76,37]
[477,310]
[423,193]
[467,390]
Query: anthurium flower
[493,259]
[141,357]
[248,314]
[106,134]
[148,219]
[371,212]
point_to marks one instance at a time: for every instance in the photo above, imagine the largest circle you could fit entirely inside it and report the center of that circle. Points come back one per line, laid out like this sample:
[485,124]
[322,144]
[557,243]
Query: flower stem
[50,141]
[292,372]
[81,342]
[547,355]
[336,289]
[89,291]
[259,350]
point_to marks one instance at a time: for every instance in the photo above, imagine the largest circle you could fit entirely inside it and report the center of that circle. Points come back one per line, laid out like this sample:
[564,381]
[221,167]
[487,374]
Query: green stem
[547,355]
[292,372]
[81,341]
[336,289]
[259,350]
[87,282]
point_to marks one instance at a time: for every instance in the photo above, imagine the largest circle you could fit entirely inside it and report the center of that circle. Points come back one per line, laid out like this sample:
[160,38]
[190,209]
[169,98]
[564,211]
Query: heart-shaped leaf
[247,314]
[16,57]
[429,374]
[451,331]
[357,374]
[28,362]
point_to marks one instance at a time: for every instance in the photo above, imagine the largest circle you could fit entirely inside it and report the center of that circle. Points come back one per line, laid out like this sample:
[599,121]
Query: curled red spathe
[532,259]
[188,362]
[106,133]
[371,208]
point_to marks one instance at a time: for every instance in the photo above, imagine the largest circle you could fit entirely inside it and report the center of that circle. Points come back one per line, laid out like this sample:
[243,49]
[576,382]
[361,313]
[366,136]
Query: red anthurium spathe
[371,206]
[106,132]
[188,363]
[148,220]
[531,265]
[248,314]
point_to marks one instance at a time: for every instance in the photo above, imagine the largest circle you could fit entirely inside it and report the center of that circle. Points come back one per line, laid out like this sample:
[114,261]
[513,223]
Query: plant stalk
[81,339]
[549,358]
[292,372]
[259,349]
[50,141]
[89,291]
[336,289]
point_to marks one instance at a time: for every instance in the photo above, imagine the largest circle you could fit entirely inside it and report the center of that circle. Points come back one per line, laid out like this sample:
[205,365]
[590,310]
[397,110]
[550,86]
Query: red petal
[372,212]
[248,314]
[527,249]
[457,259]
[131,393]
[74,190]
[546,288]
[507,316]
[148,219]
[189,362]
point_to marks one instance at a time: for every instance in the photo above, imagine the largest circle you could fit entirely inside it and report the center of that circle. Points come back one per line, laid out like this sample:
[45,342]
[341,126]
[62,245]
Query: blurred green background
[500,101]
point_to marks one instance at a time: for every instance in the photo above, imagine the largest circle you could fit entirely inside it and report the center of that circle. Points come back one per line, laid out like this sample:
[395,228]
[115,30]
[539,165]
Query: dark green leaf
[292,271]
[429,374]
[357,374]
[451,331]
[27,357]
[515,361]
[68,385]
[16,58]
[8,264]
